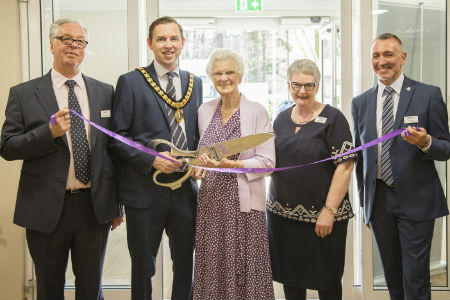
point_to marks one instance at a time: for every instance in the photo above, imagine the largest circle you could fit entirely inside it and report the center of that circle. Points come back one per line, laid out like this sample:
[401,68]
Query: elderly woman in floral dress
[232,251]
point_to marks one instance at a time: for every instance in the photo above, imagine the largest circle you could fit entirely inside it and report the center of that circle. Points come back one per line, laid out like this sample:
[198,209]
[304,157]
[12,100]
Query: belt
[76,191]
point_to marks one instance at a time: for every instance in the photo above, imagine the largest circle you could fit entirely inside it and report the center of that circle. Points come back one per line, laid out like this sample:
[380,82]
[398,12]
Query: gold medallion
[178,116]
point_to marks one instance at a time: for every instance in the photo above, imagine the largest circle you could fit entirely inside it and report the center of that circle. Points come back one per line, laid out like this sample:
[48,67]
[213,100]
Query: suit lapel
[403,103]
[371,114]
[162,105]
[46,97]
[94,107]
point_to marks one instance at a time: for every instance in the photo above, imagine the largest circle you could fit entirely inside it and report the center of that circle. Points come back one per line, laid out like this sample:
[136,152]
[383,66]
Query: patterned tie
[178,137]
[387,125]
[80,146]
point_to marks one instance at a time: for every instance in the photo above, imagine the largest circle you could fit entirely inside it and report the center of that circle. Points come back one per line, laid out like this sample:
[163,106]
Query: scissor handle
[173,149]
[186,155]
[175,184]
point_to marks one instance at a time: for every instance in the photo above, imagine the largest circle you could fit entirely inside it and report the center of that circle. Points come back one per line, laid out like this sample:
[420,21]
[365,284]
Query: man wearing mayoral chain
[159,101]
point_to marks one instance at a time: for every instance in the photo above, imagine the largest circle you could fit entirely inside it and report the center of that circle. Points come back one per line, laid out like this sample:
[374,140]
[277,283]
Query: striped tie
[178,137]
[387,125]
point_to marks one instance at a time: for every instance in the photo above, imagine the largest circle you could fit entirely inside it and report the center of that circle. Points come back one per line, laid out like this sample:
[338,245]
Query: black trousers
[296,293]
[175,213]
[404,246]
[79,233]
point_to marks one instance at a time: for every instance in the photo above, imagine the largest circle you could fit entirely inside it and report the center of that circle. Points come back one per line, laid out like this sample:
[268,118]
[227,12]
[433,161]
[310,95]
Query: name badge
[105,113]
[411,119]
[320,120]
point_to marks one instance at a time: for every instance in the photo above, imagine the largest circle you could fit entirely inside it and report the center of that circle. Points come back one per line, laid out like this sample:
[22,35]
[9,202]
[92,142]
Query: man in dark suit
[67,191]
[398,184]
[142,114]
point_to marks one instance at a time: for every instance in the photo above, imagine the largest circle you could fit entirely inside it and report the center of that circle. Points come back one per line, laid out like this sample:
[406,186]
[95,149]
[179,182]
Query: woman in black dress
[308,207]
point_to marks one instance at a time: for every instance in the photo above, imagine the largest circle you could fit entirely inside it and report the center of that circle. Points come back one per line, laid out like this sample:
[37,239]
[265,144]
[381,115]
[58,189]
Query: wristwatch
[331,209]
[426,146]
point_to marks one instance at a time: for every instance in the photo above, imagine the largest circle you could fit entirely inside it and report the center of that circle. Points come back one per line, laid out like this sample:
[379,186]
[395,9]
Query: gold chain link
[162,94]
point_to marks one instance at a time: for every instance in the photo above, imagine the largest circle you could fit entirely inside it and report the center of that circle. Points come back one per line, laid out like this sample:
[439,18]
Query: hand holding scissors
[216,152]
[164,165]
[211,163]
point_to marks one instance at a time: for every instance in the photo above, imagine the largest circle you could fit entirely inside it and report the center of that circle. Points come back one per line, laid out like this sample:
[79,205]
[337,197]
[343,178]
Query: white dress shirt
[62,97]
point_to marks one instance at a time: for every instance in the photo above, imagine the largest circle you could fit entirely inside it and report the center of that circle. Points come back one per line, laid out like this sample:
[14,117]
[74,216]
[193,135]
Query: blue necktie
[80,146]
[387,125]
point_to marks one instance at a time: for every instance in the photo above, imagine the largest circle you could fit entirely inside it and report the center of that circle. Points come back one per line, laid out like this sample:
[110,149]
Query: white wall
[11,236]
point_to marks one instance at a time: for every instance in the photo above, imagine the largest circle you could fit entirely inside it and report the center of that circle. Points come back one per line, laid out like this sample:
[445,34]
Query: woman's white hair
[225,55]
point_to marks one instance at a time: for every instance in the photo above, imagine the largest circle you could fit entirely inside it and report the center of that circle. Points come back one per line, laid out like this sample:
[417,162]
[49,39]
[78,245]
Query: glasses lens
[69,41]
[309,86]
[298,86]
[80,43]
[66,40]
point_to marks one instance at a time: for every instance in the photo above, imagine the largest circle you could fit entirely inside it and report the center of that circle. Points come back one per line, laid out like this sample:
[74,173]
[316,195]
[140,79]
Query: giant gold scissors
[214,151]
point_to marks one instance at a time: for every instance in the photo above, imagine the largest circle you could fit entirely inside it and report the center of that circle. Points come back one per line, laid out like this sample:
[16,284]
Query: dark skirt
[302,259]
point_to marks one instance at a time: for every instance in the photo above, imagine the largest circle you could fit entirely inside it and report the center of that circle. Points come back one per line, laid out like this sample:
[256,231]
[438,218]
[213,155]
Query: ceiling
[214,8]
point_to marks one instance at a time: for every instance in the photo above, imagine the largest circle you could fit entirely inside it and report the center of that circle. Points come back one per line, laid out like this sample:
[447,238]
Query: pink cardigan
[254,119]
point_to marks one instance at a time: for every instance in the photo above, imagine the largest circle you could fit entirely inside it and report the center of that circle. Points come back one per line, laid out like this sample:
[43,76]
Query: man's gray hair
[55,26]
[305,66]
[225,55]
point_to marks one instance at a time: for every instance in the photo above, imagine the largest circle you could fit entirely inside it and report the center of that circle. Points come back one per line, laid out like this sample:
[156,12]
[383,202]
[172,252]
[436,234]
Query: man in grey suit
[398,184]
[142,113]
[67,191]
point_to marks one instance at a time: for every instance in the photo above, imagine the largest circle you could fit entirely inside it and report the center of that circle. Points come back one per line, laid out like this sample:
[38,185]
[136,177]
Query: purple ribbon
[388,136]
[142,148]
[117,137]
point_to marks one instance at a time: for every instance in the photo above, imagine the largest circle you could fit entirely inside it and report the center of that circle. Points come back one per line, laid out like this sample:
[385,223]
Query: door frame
[366,243]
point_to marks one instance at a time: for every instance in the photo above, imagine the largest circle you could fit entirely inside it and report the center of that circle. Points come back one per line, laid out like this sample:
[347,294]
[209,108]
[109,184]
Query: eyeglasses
[296,86]
[68,41]
[227,74]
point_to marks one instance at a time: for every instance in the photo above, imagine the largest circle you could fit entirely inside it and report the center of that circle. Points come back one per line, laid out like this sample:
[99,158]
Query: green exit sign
[248,5]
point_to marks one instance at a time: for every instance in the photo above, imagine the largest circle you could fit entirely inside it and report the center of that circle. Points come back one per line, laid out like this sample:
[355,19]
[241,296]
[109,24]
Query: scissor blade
[228,148]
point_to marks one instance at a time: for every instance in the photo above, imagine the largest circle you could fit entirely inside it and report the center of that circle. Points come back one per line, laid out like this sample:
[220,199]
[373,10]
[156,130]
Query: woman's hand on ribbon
[324,224]
[200,174]
[211,163]
[61,123]
[416,136]
[164,165]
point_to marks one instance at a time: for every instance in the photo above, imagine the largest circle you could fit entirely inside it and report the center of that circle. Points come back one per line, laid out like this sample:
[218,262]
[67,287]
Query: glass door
[107,57]
[269,41]
[267,53]
[422,27]
[268,45]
